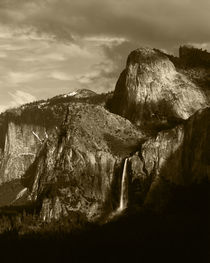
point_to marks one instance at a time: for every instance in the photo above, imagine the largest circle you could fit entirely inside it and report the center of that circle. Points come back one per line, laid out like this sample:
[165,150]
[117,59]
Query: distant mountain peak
[81,93]
[68,153]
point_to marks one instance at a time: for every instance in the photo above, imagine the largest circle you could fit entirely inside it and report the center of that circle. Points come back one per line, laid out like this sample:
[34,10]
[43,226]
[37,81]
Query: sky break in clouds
[49,47]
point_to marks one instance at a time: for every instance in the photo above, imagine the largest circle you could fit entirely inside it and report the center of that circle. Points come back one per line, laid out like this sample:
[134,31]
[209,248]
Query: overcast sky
[50,47]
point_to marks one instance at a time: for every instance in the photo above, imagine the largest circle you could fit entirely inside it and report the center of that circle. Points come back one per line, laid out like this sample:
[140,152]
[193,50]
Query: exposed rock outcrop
[68,152]
[25,129]
[76,169]
[22,142]
[150,92]
[195,64]
[179,156]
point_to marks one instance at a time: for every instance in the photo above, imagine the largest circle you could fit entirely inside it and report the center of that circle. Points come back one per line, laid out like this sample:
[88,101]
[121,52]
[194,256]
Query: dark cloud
[160,23]
[164,24]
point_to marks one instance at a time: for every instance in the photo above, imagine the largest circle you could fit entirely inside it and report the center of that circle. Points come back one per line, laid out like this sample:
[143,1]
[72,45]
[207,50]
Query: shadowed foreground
[179,234]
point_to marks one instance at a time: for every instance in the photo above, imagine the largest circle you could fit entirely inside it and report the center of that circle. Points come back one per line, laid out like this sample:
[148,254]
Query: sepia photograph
[104,131]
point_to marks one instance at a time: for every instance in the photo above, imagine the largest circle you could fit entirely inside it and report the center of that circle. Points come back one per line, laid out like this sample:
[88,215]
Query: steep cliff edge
[179,156]
[23,133]
[80,166]
[21,145]
[24,130]
[68,152]
[151,93]
[77,168]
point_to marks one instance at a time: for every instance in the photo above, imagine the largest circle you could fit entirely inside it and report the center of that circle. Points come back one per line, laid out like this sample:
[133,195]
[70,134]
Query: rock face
[70,154]
[179,156]
[21,145]
[150,92]
[76,168]
[23,131]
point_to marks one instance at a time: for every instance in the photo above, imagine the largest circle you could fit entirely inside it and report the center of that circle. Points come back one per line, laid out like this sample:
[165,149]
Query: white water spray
[123,194]
[20,195]
[37,136]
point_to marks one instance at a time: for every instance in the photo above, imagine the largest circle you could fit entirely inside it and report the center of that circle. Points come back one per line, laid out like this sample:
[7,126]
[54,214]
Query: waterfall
[123,192]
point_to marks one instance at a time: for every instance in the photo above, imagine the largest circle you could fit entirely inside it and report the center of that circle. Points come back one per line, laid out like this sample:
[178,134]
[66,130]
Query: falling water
[123,194]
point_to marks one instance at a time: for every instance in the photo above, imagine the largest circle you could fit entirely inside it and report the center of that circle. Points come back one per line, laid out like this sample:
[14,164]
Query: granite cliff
[71,154]
[66,153]
[153,94]
[179,156]
[77,168]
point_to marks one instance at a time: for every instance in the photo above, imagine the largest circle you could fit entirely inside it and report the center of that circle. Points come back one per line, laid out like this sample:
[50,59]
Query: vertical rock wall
[22,142]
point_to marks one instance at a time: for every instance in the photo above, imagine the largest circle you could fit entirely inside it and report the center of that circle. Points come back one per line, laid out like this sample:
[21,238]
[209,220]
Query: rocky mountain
[65,151]
[153,94]
[23,130]
[76,167]
[99,154]
[194,63]
[179,156]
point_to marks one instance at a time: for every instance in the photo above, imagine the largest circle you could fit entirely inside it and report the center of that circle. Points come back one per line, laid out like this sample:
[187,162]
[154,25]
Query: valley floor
[141,237]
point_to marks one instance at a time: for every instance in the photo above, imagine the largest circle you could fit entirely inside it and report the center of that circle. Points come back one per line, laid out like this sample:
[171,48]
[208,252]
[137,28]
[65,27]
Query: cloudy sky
[50,47]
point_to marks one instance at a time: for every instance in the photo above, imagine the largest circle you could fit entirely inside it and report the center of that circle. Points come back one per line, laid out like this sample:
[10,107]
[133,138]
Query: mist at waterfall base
[180,234]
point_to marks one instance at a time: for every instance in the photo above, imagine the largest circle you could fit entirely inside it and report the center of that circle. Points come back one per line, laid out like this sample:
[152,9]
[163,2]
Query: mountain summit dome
[151,91]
